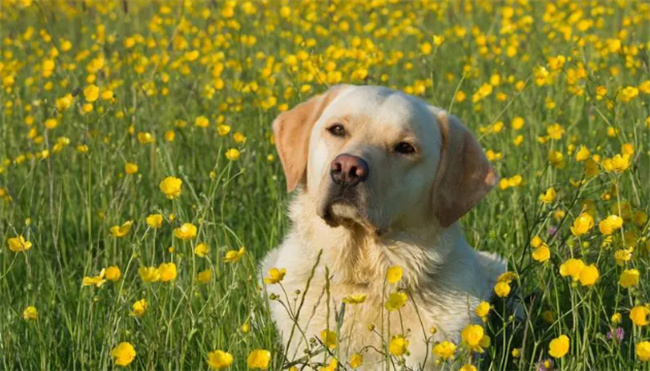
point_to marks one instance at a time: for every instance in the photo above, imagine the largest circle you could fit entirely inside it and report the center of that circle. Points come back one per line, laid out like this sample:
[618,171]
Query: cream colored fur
[443,276]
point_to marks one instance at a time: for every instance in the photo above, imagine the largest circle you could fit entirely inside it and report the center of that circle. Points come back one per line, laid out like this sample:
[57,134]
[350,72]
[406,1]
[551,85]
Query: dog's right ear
[292,131]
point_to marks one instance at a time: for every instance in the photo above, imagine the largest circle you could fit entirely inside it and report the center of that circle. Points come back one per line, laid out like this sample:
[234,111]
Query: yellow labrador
[382,179]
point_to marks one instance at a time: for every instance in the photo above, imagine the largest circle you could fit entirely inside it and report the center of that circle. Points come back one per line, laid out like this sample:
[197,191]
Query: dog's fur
[404,214]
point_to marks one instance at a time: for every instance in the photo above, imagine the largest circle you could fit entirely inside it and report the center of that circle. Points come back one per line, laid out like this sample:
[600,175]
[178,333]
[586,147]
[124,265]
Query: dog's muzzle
[345,197]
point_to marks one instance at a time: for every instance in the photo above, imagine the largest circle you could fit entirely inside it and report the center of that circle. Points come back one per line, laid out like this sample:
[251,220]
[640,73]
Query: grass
[170,65]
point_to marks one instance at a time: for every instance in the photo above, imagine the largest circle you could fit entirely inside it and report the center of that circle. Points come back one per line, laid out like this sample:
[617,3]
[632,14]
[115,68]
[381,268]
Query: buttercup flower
[201,250]
[329,338]
[629,278]
[232,256]
[30,313]
[354,299]
[589,275]
[171,187]
[394,274]
[187,231]
[275,275]
[121,230]
[259,359]
[559,346]
[398,346]
[113,273]
[19,244]
[167,272]
[155,221]
[643,351]
[123,354]
[219,359]
[149,274]
[572,267]
[639,315]
[396,300]
[582,224]
[139,307]
[445,350]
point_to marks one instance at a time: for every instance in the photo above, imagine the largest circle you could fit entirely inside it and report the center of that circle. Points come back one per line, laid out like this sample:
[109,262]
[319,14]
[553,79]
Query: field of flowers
[139,184]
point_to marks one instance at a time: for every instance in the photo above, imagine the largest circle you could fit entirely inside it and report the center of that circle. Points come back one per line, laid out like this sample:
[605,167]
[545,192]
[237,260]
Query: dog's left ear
[464,174]
[292,131]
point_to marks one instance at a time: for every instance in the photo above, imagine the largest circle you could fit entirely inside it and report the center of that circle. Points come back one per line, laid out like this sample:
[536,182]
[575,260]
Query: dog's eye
[337,130]
[404,148]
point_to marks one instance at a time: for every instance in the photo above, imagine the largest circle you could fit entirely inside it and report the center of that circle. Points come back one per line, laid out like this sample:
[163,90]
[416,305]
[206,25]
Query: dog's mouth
[346,207]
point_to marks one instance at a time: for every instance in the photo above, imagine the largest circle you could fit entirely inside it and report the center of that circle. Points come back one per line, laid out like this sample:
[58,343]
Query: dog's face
[377,158]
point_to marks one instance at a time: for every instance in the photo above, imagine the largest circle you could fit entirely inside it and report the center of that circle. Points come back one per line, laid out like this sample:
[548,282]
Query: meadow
[139,183]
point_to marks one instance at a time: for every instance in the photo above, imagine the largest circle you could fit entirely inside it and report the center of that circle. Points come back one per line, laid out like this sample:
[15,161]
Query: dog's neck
[362,257]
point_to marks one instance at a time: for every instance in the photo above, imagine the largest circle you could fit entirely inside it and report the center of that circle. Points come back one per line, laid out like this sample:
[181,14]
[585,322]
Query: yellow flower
[639,315]
[589,275]
[139,307]
[130,168]
[201,250]
[232,154]
[223,130]
[582,154]
[616,318]
[474,336]
[643,351]
[123,354]
[98,280]
[610,224]
[113,273]
[483,309]
[582,224]
[628,93]
[275,275]
[171,187]
[396,300]
[556,158]
[536,242]
[332,366]
[219,359]
[329,338]
[354,299]
[149,274]
[155,221]
[542,253]
[502,289]
[91,93]
[121,230]
[19,244]
[549,196]
[445,350]
[259,358]
[629,278]
[555,131]
[204,276]
[516,353]
[616,164]
[467,368]
[517,123]
[145,138]
[187,231]
[356,360]
[394,274]
[167,272]
[30,313]
[202,122]
[233,256]
[398,346]
[51,123]
[572,267]
[559,346]
[239,137]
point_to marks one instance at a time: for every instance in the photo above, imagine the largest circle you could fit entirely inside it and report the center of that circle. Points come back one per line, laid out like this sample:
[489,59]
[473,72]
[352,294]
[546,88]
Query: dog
[381,179]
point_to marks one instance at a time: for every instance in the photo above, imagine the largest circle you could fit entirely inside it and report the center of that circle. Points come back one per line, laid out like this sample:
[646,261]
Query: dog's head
[377,158]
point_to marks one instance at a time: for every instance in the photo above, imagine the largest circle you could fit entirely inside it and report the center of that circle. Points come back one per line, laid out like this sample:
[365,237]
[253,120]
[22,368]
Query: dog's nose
[349,170]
